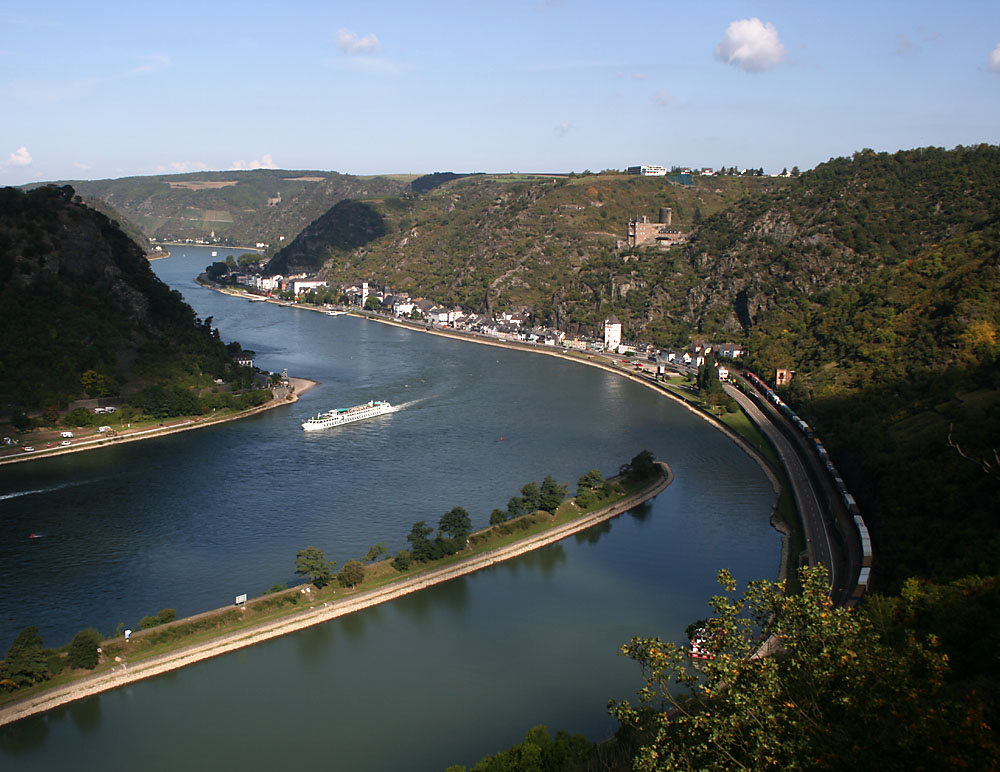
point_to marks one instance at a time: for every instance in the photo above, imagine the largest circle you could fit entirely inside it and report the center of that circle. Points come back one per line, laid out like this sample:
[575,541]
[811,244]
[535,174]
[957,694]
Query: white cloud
[564,128]
[661,98]
[150,63]
[180,167]
[265,162]
[349,42]
[994,63]
[751,45]
[81,166]
[20,157]
[905,46]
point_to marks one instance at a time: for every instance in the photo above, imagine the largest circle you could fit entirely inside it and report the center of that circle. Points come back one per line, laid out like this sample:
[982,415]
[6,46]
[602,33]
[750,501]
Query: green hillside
[240,208]
[83,314]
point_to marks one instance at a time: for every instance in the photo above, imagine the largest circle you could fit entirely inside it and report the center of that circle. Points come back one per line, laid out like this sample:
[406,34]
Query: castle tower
[612,333]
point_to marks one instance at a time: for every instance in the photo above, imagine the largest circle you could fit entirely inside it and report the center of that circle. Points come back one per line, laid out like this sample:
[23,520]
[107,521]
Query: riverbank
[126,672]
[299,386]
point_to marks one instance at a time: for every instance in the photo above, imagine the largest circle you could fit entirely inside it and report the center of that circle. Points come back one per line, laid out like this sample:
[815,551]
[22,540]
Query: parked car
[28,449]
[66,435]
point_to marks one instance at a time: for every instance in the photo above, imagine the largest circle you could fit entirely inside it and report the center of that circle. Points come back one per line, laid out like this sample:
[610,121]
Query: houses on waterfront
[506,325]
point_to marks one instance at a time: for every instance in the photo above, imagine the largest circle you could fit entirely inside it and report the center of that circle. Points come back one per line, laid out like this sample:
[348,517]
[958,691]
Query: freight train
[838,482]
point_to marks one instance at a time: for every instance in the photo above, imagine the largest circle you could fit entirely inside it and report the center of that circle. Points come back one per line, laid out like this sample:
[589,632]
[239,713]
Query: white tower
[612,333]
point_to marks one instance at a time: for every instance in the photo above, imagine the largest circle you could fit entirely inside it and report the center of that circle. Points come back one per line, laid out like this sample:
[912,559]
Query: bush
[402,561]
[83,649]
[167,615]
[277,587]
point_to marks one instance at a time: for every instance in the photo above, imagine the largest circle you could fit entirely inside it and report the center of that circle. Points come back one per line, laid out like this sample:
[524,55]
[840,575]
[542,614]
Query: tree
[375,553]
[456,523]
[641,467]
[531,497]
[423,549]
[352,574]
[828,693]
[372,303]
[498,516]
[83,649]
[24,663]
[515,507]
[591,480]
[402,561]
[551,495]
[311,563]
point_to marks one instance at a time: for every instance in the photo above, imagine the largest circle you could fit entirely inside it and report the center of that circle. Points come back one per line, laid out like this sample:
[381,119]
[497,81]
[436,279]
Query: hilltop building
[641,231]
[652,170]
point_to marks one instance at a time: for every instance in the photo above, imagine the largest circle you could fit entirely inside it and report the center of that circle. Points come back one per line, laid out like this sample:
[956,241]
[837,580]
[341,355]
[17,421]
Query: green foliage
[82,651]
[456,523]
[531,496]
[592,479]
[402,561]
[422,548]
[312,564]
[161,618]
[352,574]
[375,552]
[540,752]
[497,516]
[25,661]
[81,310]
[641,467]
[832,694]
[276,587]
[551,495]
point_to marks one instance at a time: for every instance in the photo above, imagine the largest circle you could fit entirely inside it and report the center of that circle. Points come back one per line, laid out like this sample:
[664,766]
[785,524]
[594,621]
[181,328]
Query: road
[820,544]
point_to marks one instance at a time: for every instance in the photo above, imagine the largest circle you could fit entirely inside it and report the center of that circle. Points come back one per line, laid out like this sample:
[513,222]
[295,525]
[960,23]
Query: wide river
[442,677]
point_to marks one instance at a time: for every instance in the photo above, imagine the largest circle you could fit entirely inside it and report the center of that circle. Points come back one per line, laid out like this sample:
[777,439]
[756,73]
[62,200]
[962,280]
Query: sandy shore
[299,386]
[126,673]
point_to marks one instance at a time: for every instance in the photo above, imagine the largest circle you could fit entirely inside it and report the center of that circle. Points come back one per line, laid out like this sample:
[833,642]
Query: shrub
[402,561]
[83,649]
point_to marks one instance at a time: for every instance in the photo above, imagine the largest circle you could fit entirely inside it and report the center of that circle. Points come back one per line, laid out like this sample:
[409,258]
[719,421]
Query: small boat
[697,646]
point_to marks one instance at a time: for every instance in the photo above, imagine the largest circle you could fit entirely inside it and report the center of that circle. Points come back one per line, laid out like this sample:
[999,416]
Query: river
[192,520]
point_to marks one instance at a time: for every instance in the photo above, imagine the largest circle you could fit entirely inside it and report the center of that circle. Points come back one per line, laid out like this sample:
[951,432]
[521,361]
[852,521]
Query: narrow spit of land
[299,386]
[126,672]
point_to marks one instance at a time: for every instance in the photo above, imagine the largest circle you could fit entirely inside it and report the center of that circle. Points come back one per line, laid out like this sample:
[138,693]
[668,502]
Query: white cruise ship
[346,415]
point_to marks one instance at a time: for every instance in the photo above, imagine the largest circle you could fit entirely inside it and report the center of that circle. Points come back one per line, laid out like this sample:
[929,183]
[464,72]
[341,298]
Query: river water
[443,677]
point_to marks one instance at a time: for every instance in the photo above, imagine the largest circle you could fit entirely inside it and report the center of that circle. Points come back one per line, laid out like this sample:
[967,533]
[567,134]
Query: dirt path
[126,673]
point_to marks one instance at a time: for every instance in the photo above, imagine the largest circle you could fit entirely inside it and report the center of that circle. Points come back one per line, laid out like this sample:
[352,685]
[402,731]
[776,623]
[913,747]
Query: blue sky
[111,89]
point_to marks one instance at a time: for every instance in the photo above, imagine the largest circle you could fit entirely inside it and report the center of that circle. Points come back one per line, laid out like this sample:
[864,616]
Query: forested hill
[77,297]
[549,244]
[874,277]
[240,208]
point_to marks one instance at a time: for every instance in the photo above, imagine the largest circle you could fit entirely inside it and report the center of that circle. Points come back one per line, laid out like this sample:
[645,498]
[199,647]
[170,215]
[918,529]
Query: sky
[114,89]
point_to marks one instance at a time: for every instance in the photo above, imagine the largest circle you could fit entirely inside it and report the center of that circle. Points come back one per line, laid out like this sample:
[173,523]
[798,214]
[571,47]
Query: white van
[104,429]
[66,435]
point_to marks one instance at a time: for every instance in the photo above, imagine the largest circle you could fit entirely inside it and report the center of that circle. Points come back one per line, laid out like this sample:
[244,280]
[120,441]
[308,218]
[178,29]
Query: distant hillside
[77,296]
[545,243]
[239,207]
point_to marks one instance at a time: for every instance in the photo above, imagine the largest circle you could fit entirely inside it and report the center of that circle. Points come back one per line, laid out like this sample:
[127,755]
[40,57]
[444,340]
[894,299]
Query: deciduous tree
[829,694]
[311,563]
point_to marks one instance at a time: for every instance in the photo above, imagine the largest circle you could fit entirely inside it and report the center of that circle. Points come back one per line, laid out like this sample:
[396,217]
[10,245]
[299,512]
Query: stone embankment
[126,673]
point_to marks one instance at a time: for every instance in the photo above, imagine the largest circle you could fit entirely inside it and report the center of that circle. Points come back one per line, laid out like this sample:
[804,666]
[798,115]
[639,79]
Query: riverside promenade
[126,673]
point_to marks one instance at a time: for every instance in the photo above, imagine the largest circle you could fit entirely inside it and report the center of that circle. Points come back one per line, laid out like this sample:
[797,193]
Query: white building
[298,287]
[652,170]
[612,333]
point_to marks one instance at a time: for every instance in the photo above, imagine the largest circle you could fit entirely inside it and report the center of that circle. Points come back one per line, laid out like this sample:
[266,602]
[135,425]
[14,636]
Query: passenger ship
[346,415]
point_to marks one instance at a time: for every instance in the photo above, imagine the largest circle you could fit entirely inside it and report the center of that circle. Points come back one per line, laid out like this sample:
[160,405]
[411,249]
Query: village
[506,325]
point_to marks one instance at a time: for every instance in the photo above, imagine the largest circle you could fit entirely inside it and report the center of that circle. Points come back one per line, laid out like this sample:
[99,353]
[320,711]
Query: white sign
[241,599]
